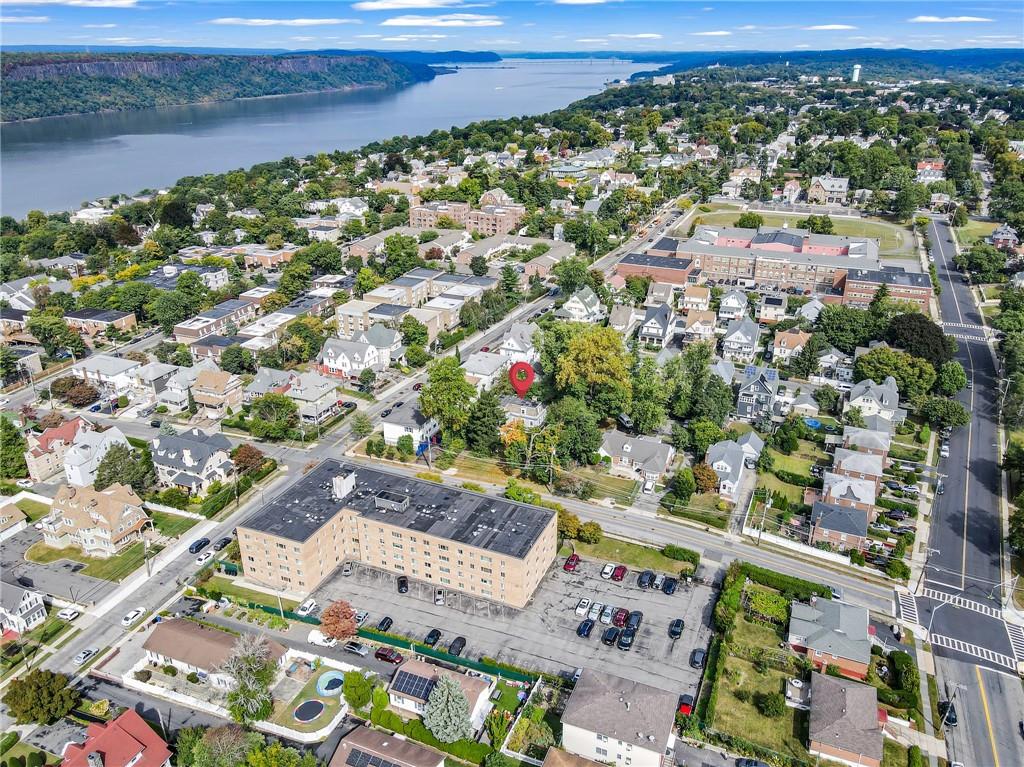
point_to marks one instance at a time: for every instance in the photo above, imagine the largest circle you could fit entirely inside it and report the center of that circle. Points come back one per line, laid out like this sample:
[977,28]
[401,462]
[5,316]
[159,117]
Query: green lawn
[171,525]
[283,709]
[974,230]
[992,292]
[702,508]
[509,700]
[33,509]
[753,634]
[21,749]
[116,568]
[228,588]
[632,555]
[793,493]
[619,489]
[893,754]
[894,238]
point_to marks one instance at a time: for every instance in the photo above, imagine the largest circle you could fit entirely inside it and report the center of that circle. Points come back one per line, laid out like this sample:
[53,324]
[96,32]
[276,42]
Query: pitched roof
[866,438]
[622,709]
[196,644]
[856,461]
[556,757]
[743,330]
[10,515]
[88,508]
[118,743]
[65,433]
[472,686]
[214,380]
[886,394]
[844,715]
[831,626]
[378,335]
[650,453]
[841,519]
[390,749]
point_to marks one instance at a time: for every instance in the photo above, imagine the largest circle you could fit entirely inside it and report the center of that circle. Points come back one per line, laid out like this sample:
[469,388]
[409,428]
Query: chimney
[94,759]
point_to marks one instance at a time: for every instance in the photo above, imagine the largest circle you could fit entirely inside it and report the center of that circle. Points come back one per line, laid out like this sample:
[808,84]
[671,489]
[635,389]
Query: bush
[193,677]
[897,569]
[914,758]
[681,554]
[143,675]
[8,740]
[796,479]
[35,759]
[170,670]
[924,435]
[771,704]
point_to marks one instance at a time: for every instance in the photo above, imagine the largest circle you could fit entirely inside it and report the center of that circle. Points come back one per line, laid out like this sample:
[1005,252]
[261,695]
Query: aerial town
[681,426]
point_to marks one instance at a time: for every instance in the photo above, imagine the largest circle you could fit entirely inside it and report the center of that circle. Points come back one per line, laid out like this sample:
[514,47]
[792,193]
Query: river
[58,163]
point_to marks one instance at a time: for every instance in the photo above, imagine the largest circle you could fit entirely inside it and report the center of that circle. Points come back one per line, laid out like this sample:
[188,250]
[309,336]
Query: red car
[388,655]
[417,387]
[485,348]
[686,705]
[571,563]
[619,573]
[620,617]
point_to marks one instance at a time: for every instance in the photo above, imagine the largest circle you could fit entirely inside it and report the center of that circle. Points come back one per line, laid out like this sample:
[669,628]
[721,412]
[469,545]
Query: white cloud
[712,33]
[444,20]
[99,26]
[234,21]
[581,2]
[500,41]
[639,36]
[24,19]
[403,5]
[802,45]
[946,19]
[747,27]
[592,40]
[828,27]
[79,3]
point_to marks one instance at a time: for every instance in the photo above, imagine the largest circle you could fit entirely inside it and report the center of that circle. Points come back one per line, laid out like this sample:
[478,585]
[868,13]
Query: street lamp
[927,554]
[928,631]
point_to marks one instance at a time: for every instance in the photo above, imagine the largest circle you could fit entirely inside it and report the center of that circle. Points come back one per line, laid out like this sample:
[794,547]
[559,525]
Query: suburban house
[178,385]
[99,522]
[369,747]
[841,527]
[484,369]
[645,457]
[849,491]
[876,399]
[741,340]
[772,308]
[110,374]
[758,394]
[810,310]
[12,521]
[316,396]
[151,379]
[858,464]
[698,326]
[530,412]
[834,368]
[347,359]
[582,306]
[695,298]
[828,190]
[518,344]
[1004,237]
[192,460]
[196,648]
[831,633]
[617,721]
[267,381]
[408,420]
[845,722]
[731,458]
[415,679]
[387,341]
[659,293]
[867,440]
[127,741]
[623,319]
[657,326]
[217,393]
[21,610]
[46,451]
[733,306]
[86,452]
[789,343]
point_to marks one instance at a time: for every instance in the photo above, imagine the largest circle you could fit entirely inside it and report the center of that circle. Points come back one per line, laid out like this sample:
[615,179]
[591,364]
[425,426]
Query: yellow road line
[988,720]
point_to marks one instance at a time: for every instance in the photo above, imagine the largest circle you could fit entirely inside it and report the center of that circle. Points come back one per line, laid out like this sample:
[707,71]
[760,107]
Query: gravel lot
[543,636]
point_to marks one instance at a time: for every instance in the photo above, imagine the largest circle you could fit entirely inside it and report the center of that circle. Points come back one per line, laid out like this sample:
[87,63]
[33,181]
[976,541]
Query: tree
[590,532]
[81,394]
[771,704]
[921,337]
[571,274]
[942,412]
[170,308]
[649,397]
[123,465]
[296,277]
[446,713]
[1015,538]
[366,280]
[684,484]
[272,416]
[414,332]
[357,690]
[952,378]
[750,220]
[40,696]
[846,328]
[416,356]
[486,417]
[274,754]
[225,746]
[362,426]
[185,744]
[478,265]
[705,477]
[401,254]
[247,458]
[914,376]
[703,434]
[237,360]
[568,525]
[12,451]
[53,333]
[338,621]
[827,398]
[447,396]
[595,368]
[405,446]
[250,667]
[367,378]
[580,435]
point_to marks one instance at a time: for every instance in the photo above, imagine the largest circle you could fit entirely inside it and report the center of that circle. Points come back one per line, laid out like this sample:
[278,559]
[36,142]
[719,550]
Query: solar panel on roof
[407,683]
[771,374]
[357,758]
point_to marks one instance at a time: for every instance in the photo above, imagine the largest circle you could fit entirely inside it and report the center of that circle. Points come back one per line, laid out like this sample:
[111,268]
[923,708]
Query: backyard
[284,711]
[171,525]
[539,725]
[34,510]
[115,568]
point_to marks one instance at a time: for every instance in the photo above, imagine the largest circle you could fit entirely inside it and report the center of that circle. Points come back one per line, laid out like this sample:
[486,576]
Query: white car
[203,558]
[24,483]
[68,614]
[320,639]
[306,608]
[607,614]
[607,570]
[83,656]
[132,618]
[361,618]
[439,597]
[583,607]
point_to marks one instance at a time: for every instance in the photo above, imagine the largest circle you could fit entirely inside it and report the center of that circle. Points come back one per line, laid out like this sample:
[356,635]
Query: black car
[222,544]
[457,646]
[669,586]
[398,404]
[197,546]
[899,516]
[947,713]
[610,636]
[697,658]
[645,579]
[155,423]
[750,763]
[634,620]
[386,413]
[403,584]
[385,623]
[675,628]
[432,638]
[584,629]
[626,639]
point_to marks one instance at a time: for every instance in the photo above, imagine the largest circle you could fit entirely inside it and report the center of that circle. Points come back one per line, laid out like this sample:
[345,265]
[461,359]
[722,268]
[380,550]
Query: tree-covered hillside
[51,84]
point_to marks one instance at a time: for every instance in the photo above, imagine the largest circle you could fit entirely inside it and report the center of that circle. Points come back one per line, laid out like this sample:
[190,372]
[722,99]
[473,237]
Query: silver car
[606,615]
[595,611]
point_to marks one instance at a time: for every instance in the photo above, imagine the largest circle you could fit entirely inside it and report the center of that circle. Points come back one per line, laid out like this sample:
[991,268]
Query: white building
[21,610]
[84,456]
[113,375]
[408,419]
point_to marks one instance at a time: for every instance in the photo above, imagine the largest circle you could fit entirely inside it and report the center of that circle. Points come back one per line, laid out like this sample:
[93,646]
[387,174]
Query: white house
[518,343]
[582,306]
[484,369]
[646,457]
[21,609]
[876,399]
[347,359]
[731,459]
[530,412]
[84,456]
[414,681]
[387,341]
[733,306]
[113,375]
[741,339]
[657,327]
[408,419]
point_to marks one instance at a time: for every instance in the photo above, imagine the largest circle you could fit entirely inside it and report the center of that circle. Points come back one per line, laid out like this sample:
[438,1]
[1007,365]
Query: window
[602,751]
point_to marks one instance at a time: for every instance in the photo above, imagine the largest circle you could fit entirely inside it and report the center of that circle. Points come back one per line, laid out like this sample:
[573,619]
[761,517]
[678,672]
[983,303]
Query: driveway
[61,579]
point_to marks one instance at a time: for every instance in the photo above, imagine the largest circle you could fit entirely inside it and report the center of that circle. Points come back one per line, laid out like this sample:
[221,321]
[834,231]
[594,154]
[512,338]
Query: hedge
[797,479]
[681,554]
[136,442]
[467,750]
[888,503]
[789,585]
[914,758]
[715,666]
[7,741]
[906,677]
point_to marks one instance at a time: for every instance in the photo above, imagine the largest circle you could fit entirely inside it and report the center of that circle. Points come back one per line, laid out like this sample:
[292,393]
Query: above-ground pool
[330,683]
[308,710]
[814,423]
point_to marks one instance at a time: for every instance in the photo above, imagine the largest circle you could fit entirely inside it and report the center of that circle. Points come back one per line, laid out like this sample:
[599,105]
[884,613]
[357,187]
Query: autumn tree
[248,458]
[705,477]
[338,620]
[595,368]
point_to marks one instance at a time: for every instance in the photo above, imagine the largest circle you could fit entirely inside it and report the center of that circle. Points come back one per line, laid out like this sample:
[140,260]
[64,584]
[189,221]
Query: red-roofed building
[125,742]
[45,454]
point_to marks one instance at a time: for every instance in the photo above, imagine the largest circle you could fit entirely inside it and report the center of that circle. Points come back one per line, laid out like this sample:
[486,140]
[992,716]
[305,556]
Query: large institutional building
[484,546]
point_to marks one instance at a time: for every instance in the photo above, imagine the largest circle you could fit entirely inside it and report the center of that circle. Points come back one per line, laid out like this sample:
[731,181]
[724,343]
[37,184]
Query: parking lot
[543,636]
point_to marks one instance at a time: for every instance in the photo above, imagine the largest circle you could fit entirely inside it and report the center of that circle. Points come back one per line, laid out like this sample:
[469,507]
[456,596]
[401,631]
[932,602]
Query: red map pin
[521,377]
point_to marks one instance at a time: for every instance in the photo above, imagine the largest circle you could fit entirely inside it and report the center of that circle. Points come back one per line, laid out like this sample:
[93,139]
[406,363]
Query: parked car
[457,646]
[619,573]
[896,514]
[947,712]
[439,597]
[571,563]
[697,658]
[203,558]
[607,570]
[306,608]
[361,617]
[384,623]
[417,386]
[68,614]
[892,484]
[155,423]
[656,584]
[669,586]
[221,544]
[606,615]
[432,638]
[346,569]
[620,617]
[583,630]
[320,639]
[83,656]
[132,617]
[356,648]
[96,408]
[403,584]
[196,546]
[388,655]
[675,628]
[940,488]
[645,579]
[610,636]
[881,527]
[24,484]
[595,611]
[685,705]
[634,620]
[626,639]
[750,763]
[385,413]
[583,607]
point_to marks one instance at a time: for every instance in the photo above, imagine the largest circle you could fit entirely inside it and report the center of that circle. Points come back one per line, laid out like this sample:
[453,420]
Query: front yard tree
[478,265]
[40,696]
[595,368]
[571,274]
[486,417]
[248,458]
[362,426]
[250,667]
[952,378]
[12,451]
[942,412]
[914,375]
[684,484]
[649,396]
[579,435]
[705,477]
[446,714]
[447,396]
[81,394]
[121,464]
[703,434]
[357,689]
[272,416]
[339,620]
[367,378]
[919,335]
[414,332]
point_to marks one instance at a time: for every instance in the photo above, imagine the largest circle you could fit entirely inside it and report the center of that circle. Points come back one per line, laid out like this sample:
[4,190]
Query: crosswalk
[965,325]
[963,337]
[975,651]
[1016,635]
[907,606]
[967,604]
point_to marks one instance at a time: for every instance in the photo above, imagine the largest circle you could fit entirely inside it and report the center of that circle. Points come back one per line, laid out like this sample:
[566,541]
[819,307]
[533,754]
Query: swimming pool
[330,683]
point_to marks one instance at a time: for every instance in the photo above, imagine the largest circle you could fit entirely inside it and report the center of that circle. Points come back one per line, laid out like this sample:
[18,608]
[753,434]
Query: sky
[516,25]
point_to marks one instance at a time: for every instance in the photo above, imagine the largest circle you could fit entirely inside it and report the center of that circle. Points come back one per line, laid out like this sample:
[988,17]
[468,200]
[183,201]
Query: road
[973,651]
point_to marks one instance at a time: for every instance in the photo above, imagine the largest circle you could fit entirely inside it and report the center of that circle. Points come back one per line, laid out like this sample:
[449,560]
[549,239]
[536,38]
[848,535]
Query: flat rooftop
[485,522]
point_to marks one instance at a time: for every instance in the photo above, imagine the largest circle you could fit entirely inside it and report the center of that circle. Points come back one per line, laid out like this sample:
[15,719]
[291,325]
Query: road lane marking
[973,650]
[907,608]
[966,604]
[1016,636]
[988,719]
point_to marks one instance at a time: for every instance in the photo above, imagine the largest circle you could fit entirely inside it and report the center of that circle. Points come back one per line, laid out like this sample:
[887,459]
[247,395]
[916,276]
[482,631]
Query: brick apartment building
[95,321]
[215,321]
